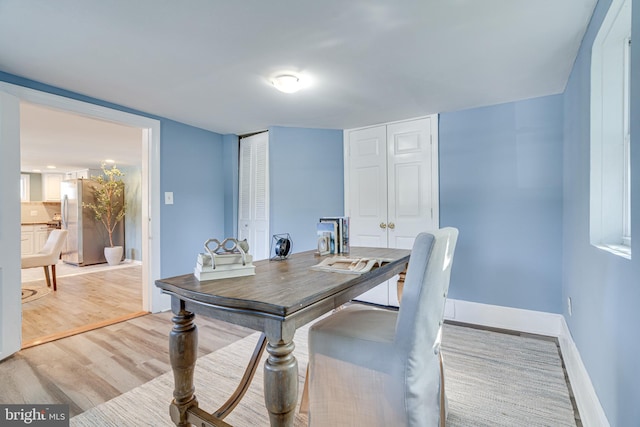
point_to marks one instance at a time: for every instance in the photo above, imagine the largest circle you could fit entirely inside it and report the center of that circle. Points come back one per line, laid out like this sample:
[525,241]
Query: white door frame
[10,304]
[152,299]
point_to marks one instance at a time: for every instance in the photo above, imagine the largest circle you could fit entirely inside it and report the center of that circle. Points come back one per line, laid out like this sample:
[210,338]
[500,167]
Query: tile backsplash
[34,212]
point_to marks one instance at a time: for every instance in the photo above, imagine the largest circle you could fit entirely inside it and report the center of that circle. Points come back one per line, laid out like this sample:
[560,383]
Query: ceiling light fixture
[286,83]
[51,167]
[110,161]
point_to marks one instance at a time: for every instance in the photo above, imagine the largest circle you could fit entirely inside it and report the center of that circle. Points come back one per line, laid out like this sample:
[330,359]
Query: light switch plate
[168,198]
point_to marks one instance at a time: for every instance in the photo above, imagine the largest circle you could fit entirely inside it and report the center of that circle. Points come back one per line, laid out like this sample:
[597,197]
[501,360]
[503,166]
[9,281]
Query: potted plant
[109,207]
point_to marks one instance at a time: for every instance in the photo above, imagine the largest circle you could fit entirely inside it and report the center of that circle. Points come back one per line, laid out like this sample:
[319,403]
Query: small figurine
[229,258]
[237,247]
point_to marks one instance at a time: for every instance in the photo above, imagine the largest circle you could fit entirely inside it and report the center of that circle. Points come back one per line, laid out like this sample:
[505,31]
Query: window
[610,189]
[25,193]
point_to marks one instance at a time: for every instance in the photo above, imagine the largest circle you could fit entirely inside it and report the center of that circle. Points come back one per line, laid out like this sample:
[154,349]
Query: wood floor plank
[87,369]
[82,300]
[78,330]
[83,366]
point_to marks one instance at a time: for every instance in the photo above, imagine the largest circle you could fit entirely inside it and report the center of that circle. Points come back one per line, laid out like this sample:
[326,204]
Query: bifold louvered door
[253,210]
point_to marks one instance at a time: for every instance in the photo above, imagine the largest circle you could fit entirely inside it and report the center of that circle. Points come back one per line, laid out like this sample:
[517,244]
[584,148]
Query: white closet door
[392,191]
[367,207]
[368,187]
[253,212]
[410,208]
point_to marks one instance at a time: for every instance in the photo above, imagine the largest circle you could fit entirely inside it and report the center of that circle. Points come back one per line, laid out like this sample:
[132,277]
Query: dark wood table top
[282,288]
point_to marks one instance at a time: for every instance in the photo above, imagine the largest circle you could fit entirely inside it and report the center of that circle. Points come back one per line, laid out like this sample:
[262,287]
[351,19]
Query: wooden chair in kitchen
[371,366]
[48,256]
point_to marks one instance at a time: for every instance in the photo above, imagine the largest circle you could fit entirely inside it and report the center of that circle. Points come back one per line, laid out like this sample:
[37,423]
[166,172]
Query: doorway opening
[151,298]
[93,293]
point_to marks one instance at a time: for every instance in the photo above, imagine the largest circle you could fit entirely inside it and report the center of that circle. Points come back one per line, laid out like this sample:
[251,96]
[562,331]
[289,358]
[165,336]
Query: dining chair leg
[46,275]
[53,273]
[304,401]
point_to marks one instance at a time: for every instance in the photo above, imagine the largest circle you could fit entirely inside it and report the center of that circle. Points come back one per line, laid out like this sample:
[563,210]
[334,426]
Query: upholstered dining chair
[377,367]
[48,256]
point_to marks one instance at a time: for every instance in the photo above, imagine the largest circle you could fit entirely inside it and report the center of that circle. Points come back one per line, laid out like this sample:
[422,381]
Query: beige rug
[493,379]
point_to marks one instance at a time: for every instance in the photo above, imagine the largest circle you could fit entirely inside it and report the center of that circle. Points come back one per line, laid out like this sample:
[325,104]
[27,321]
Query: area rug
[492,379]
[32,293]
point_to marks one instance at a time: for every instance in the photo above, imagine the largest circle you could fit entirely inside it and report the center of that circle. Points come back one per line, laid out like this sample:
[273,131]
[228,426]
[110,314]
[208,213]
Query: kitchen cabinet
[33,238]
[391,188]
[41,234]
[51,186]
[26,238]
[83,173]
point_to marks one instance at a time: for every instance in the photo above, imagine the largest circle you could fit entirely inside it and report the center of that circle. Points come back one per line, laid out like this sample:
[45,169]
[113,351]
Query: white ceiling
[71,142]
[207,63]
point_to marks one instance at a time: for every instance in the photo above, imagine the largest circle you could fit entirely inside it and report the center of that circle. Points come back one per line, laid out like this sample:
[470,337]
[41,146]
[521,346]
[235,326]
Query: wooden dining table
[282,296]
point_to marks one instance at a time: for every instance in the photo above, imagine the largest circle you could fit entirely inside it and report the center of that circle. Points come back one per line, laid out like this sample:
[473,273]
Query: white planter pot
[113,255]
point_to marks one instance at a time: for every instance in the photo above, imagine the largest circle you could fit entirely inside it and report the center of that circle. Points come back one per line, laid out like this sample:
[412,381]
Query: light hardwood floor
[87,369]
[82,302]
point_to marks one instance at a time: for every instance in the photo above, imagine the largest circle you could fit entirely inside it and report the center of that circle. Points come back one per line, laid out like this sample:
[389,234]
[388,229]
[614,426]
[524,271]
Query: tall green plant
[108,206]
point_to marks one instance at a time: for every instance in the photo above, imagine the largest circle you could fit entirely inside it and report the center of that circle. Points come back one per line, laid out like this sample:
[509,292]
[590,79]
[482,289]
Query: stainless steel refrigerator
[86,237]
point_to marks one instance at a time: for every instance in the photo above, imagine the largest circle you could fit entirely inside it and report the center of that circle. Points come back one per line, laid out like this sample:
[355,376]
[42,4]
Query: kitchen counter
[50,224]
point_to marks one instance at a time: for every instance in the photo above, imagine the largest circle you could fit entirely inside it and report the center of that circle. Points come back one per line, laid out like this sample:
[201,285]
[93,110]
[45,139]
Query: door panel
[367,200]
[371,241]
[367,207]
[410,199]
[378,295]
[253,212]
[244,209]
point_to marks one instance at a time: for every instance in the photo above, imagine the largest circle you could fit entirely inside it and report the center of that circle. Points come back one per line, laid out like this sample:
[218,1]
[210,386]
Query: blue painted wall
[191,167]
[193,171]
[501,186]
[230,150]
[604,288]
[306,168]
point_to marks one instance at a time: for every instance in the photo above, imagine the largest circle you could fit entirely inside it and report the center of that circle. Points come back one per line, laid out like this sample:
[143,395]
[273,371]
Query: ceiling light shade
[286,83]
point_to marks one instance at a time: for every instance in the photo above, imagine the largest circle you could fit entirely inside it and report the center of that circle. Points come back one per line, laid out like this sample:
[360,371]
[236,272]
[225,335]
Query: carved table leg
[281,383]
[183,351]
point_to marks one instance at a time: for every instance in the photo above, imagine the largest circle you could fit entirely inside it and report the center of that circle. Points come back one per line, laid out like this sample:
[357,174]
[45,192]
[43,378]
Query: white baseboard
[591,412]
[541,323]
